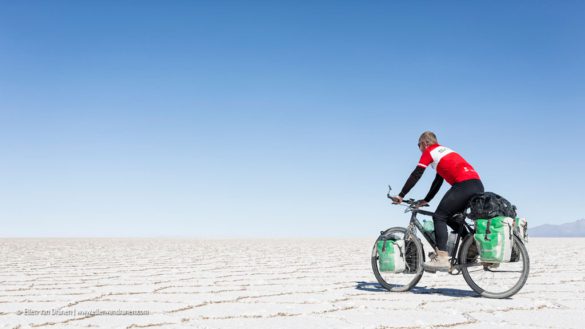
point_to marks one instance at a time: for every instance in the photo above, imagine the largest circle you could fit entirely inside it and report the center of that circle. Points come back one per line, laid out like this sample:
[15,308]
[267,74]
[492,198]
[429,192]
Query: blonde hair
[428,138]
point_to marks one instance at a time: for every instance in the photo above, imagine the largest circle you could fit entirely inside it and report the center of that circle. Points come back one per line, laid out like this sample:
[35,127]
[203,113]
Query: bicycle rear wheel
[413,256]
[495,280]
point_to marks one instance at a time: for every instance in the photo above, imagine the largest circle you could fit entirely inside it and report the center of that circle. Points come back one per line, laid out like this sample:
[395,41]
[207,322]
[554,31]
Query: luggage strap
[511,229]
[487,230]
[401,254]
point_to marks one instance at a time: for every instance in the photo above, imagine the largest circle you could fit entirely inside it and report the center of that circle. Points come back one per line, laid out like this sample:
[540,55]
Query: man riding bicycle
[465,181]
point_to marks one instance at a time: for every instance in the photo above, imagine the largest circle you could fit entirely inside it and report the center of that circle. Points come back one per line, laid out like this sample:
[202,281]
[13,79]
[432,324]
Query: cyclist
[465,182]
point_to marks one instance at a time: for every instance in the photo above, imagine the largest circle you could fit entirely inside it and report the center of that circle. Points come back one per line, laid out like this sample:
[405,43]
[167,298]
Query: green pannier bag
[521,229]
[495,239]
[391,256]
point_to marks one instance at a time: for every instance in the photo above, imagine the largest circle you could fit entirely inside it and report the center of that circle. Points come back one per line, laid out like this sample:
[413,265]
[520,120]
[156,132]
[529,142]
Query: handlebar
[411,202]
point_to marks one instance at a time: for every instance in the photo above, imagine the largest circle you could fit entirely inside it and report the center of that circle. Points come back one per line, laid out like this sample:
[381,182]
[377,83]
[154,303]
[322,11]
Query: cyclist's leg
[440,217]
[441,260]
[454,201]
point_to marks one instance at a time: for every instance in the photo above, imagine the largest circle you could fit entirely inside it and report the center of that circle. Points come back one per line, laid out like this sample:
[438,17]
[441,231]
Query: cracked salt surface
[187,283]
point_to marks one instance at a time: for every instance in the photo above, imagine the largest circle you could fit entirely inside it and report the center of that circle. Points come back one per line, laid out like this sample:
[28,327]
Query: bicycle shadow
[376,287]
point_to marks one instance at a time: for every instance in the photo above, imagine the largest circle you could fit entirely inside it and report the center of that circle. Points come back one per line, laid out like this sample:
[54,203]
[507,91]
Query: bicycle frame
[430,236]
[415,223]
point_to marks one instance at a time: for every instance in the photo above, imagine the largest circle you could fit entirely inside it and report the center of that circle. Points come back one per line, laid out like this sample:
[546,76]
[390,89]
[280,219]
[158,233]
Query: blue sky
[269,119]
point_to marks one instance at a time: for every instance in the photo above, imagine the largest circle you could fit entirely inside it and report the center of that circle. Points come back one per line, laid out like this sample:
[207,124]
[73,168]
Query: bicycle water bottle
[451,243]
[428,226]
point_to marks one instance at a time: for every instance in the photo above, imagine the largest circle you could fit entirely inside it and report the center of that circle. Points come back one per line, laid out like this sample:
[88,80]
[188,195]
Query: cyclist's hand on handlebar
[420,203]
[396,199]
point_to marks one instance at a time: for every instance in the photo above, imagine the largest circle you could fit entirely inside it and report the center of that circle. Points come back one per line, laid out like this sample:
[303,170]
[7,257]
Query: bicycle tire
[477,286]
[415,258]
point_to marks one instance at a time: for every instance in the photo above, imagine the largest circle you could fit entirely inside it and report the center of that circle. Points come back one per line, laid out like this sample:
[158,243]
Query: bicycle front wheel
[413,257]
[494,280]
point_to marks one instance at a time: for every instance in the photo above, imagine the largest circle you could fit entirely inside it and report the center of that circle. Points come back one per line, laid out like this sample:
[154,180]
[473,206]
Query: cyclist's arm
[411,181]
[434,188]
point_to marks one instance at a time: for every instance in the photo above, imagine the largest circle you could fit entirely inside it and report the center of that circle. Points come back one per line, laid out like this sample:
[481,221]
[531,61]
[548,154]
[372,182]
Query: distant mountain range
[574,229]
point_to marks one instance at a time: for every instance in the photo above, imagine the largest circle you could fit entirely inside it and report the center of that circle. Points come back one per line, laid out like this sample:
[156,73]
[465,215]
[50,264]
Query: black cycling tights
[454,201]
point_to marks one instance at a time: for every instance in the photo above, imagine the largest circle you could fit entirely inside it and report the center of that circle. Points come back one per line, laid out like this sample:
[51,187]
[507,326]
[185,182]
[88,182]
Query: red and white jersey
[450,165]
